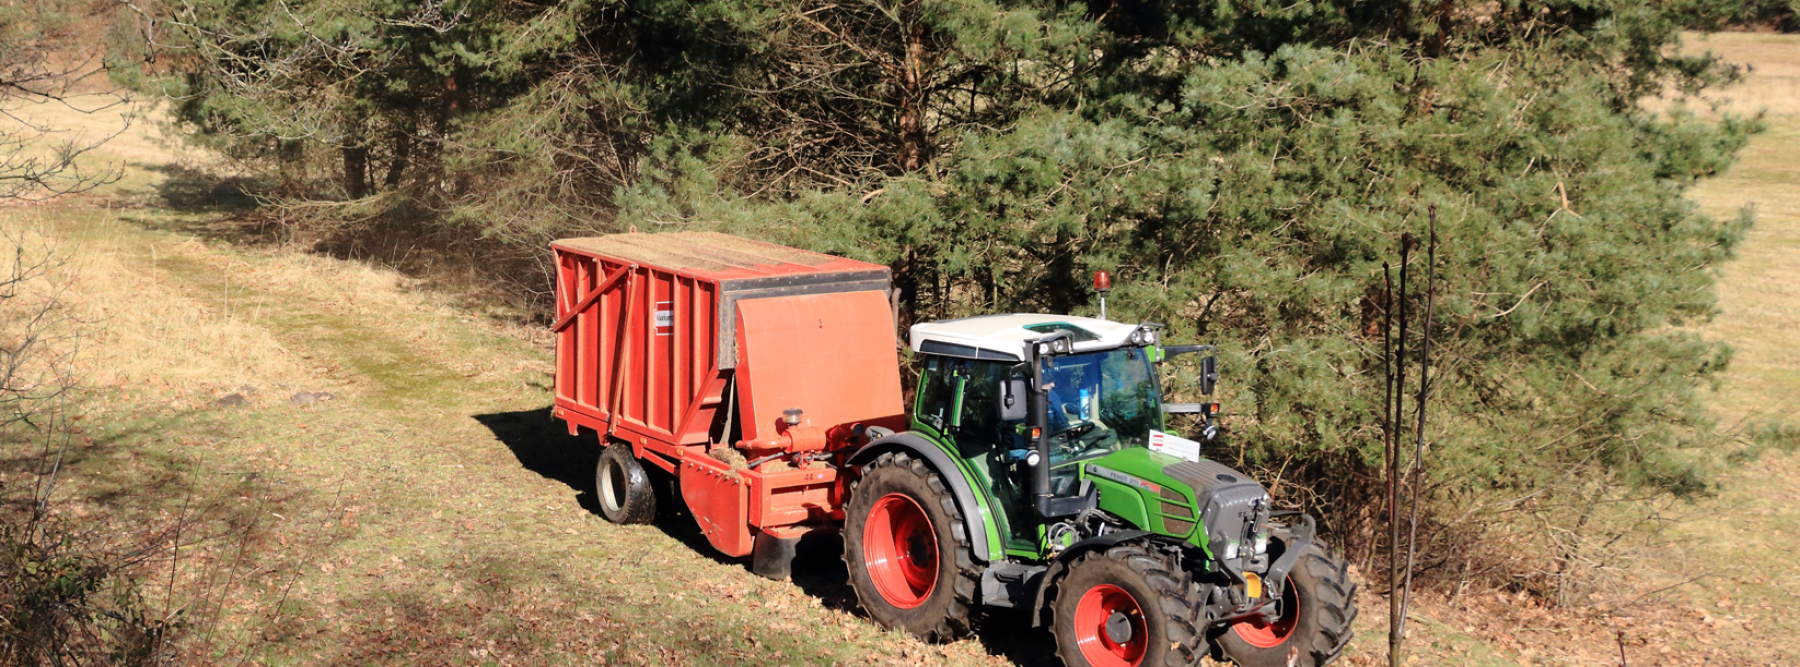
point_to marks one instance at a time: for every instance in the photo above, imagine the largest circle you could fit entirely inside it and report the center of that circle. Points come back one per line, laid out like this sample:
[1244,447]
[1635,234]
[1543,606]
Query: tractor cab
[1032,403]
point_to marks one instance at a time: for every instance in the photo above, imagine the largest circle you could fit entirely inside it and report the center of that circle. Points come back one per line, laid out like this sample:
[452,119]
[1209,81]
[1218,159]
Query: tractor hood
[1168,493]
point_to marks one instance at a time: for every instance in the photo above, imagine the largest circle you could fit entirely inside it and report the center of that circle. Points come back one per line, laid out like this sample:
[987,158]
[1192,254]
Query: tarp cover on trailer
[831,355]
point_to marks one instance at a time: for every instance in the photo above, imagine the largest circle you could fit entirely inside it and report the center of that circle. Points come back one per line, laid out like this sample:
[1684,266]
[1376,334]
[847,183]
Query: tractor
[1034,471]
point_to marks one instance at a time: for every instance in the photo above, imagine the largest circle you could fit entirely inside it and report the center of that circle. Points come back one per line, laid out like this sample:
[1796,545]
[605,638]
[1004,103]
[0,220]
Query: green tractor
[1037,474]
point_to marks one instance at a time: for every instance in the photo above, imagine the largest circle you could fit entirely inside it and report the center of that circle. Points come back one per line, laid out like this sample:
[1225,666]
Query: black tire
[1320,605]
[667,488]
[626,495]
[937,608]
[1142,593]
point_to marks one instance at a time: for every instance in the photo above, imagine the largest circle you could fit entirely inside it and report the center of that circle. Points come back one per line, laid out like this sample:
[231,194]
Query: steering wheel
[1072,444]
[1078,429]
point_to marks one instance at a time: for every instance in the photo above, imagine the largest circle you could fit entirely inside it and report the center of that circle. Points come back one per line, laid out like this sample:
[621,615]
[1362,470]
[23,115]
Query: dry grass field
[429,511]
[426,511]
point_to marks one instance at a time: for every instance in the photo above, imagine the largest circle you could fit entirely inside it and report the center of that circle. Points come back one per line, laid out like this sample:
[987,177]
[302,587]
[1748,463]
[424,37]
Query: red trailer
[732,365]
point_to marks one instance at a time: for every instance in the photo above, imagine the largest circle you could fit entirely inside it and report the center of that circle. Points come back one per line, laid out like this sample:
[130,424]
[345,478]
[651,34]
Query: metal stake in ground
[1393,463]
[1387,389]
[1418,471]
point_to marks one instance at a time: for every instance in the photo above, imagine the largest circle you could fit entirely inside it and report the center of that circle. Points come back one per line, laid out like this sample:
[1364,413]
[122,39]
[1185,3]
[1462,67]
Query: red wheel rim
[1270,635]
[1097,607]
[900,551]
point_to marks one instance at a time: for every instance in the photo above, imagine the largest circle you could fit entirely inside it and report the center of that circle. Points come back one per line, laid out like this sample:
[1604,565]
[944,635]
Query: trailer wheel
[906,551]
[1125,607]
[626,495]
[1317,608]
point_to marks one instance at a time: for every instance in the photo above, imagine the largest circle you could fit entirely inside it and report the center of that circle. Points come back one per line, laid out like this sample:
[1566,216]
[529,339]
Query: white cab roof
[1006,334]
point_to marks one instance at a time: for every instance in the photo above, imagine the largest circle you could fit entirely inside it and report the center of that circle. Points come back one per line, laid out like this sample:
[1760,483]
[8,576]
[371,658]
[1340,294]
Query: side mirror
[1172,351]
[1209,374]
[1012,401]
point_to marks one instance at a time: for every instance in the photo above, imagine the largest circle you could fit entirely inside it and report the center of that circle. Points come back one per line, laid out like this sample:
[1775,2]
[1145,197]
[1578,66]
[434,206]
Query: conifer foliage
[1242,168]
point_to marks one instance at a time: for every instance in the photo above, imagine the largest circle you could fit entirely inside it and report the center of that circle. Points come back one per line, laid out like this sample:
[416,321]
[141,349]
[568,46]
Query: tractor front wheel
[1317,608]
[1125,607]
[906,552]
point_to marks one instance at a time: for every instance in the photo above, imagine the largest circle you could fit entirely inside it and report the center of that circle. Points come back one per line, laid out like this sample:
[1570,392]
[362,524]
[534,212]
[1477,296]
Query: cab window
[983,392]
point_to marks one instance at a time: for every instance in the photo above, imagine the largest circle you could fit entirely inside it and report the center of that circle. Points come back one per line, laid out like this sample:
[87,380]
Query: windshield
[1100,402]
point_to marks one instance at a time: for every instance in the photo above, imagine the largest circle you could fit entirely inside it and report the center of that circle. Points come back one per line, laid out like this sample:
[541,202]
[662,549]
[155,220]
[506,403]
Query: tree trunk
[1064,290]
[906,281]
[453,107]
[912,90]
[402,153]
[291,154]
[356,171]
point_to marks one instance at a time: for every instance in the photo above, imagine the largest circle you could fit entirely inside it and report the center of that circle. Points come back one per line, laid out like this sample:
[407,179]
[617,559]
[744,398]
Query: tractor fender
[935,457]
[1062,560]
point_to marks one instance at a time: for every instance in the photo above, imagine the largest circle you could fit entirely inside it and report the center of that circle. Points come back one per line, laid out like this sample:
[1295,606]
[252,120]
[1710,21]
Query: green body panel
[978,482]
[1158,500]
[1123,501]
[1144,464]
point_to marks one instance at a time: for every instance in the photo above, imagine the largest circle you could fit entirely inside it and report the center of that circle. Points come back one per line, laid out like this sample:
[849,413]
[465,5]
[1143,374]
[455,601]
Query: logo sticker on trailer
[665,318]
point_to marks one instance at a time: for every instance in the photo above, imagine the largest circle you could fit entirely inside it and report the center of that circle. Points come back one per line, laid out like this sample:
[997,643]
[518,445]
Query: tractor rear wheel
[906,551]
[626,495]
[1125,607]
[1317,608]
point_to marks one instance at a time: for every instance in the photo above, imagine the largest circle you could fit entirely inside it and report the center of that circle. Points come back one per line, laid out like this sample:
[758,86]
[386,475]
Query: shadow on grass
[214,207]
[543,445]
[516,608]
[393,230]
[200,191]
[819,572]
[126,466]
[199,547]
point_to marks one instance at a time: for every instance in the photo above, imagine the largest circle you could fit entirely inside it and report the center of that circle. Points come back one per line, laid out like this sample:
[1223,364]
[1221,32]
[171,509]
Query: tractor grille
[1230,504]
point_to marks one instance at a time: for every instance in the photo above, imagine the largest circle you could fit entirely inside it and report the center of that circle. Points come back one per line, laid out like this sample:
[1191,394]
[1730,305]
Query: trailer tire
[907,552]
[623,486]
[1125,606]
[1320,606]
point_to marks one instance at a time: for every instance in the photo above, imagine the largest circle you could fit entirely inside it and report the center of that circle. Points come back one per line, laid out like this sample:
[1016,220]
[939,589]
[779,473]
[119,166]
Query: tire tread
[1171,584]
[639,506]
[958,620]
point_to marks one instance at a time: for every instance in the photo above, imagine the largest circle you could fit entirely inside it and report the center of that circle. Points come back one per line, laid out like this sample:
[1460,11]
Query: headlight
[1137,337]
[1149,338]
